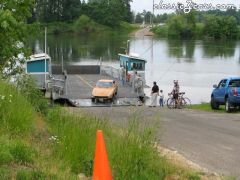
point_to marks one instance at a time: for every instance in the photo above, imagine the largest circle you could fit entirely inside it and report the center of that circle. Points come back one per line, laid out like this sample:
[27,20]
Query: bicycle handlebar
[181,93]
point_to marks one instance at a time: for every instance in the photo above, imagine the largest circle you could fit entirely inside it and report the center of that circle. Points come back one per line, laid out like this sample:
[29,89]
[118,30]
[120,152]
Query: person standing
[175,92]
[154,95]
[161,98]
[122,75]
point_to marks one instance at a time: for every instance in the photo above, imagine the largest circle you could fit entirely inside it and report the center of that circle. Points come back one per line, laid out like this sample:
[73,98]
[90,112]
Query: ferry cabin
[132,63]
[39,67]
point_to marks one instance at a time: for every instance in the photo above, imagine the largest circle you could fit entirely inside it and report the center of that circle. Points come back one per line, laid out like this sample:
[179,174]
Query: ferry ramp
[77,83]
[80,86]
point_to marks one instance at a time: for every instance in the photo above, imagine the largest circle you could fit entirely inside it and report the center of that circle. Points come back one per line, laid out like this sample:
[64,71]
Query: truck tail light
[235,92]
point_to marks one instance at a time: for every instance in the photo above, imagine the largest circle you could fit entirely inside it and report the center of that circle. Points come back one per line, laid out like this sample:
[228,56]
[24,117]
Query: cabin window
[137,66]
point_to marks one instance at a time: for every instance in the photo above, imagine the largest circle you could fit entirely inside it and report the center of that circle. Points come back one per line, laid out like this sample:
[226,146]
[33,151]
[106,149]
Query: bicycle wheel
[186,102]
[171,103]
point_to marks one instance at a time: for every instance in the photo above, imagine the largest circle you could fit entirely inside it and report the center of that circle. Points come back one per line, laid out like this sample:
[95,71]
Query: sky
[140,5]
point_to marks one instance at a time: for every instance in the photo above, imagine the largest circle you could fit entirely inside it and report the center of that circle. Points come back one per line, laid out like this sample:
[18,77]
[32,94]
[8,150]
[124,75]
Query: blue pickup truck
[227,93]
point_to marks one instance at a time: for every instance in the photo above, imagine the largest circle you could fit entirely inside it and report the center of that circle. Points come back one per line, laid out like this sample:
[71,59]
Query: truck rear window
[234,83]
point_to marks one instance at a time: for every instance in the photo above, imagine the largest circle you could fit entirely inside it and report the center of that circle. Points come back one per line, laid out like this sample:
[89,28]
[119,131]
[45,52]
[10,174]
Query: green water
[197,64]
[76,48]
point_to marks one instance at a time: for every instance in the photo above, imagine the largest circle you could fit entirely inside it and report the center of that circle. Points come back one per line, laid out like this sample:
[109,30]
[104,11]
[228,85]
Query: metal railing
[135,81]
[58,86]
[110,71]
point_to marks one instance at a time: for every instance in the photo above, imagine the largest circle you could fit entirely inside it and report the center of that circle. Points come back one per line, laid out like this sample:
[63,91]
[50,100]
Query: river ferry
[132,63]
[39,67]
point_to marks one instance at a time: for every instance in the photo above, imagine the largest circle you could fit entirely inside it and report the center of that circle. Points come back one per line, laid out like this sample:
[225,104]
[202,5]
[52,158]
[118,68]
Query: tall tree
[182,25]
[70,10]
[139,18]
[220,27]
[128,12]
[13,33]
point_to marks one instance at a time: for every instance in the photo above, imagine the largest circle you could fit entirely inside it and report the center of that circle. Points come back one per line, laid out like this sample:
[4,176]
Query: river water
[196,64]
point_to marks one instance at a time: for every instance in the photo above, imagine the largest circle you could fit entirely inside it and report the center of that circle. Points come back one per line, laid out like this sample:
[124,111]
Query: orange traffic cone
[101,169]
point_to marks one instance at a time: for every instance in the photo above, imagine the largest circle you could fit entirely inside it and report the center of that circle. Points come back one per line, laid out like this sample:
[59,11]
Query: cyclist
[175,92]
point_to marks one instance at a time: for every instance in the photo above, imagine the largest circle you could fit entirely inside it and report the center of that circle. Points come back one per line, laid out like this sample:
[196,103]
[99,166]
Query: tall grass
[74,139]
[17,117]
[16,113]
[131,151]
[26,86]
[65,145]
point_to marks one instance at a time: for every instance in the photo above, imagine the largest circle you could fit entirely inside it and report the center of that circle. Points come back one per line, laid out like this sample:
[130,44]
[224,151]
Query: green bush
[199,30]
[57,28]
[126,27]
[84,24]
[27,87]
[161,31]
[220,27]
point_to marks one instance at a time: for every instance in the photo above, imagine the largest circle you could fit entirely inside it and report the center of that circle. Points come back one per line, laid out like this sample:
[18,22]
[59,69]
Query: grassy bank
[60,144]
[207,107]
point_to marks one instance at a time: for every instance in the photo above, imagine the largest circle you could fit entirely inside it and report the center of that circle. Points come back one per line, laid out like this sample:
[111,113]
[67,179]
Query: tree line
[105,12]
[199,15]
[13,33]
[214,24]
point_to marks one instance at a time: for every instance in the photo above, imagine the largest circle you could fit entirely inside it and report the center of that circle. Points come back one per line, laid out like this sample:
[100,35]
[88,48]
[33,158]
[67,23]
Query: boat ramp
[74,85]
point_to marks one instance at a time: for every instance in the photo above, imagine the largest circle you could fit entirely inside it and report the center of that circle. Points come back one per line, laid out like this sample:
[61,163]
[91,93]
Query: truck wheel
[214,104]
[93,99]
[227,106]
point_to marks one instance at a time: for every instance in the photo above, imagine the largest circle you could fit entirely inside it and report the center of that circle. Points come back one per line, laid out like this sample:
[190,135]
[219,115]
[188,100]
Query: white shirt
[161,95]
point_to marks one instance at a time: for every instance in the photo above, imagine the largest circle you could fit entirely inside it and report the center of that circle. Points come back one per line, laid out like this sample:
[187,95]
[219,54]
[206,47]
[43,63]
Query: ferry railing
[58,86]
[136,82]
[110,71]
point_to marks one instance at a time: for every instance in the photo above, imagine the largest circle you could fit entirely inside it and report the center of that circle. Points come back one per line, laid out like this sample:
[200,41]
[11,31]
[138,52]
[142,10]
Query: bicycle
[183,102]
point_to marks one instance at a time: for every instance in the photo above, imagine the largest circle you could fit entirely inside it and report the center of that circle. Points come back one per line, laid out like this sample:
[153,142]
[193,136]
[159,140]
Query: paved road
[143,32]
[211,140]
